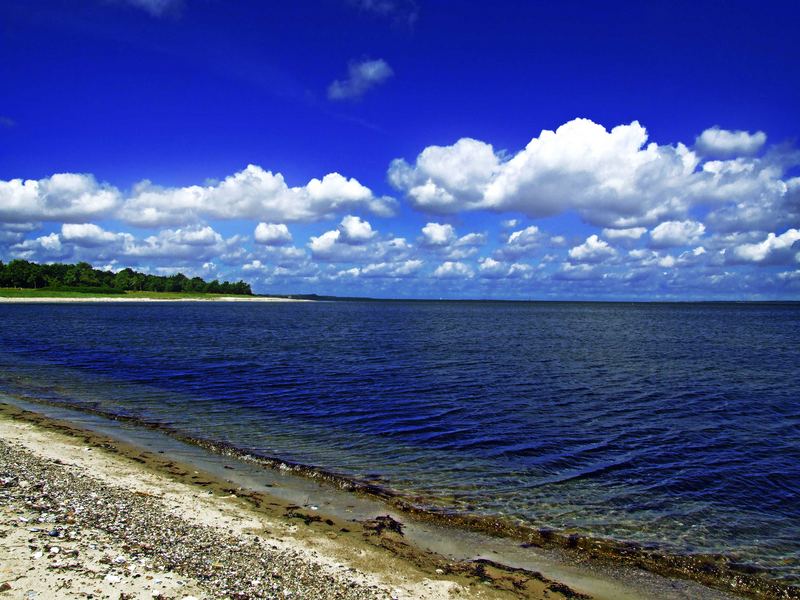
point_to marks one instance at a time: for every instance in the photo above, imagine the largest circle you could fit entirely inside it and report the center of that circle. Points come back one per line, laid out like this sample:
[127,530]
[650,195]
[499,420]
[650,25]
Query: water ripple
[675,424]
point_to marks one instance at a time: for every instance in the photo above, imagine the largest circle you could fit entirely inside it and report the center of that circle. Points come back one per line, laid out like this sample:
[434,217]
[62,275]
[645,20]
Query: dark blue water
[677,424]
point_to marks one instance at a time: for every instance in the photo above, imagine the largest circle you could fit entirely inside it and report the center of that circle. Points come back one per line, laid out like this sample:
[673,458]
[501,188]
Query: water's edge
[619,559]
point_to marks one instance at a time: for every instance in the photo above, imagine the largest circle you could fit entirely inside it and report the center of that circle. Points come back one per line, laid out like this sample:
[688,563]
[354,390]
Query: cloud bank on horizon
[715,217]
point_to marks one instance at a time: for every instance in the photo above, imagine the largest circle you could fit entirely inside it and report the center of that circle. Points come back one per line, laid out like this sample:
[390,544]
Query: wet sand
[83,515]
[356,534]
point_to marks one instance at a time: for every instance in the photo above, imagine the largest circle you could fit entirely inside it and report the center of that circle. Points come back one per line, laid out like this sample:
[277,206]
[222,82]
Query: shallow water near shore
[601,580]
[666,424]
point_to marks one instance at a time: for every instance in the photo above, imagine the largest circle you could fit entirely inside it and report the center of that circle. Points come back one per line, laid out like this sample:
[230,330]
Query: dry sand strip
[83,518]
[126,299]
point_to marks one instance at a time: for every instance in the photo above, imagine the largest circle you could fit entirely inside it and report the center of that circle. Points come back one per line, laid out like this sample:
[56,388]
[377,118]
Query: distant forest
[83,277]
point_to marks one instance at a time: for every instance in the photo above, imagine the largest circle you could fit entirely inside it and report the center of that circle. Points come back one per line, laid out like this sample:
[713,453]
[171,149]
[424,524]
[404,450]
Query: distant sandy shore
[53,300]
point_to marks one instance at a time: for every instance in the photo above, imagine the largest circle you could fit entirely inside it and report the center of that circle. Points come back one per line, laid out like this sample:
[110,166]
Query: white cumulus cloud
[453,270]
[442,239]
[593,250]
[90,235]
[676,233]
[763,201]
[447,178]
[272,234]
[195,243]
[490,268]
[614,178]
[522,242]
[611,177]
[252,193]
[355,241]
[46,247]
[438,234]
[355,230]
[775,249]
[723,142]
[65,197]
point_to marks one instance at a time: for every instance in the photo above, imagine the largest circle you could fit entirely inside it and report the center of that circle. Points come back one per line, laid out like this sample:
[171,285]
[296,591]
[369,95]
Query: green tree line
[24,274]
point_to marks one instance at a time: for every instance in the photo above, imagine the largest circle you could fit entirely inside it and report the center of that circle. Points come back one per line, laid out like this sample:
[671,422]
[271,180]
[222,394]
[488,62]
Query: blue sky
[407,148]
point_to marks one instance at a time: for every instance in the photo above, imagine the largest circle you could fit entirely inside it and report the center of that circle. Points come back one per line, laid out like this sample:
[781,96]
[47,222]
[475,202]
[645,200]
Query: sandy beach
[400,300]
[120,298]
[82,516]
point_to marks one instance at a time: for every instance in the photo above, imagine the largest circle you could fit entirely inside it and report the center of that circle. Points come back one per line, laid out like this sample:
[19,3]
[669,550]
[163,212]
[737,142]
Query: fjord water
[672,424]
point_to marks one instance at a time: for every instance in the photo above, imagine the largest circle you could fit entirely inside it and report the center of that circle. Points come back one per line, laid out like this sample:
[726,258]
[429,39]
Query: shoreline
[322,299]
[158,522]
[118,299]
[626,558]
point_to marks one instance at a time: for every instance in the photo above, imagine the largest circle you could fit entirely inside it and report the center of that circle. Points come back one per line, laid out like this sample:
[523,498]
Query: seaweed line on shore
[32,484]
[714,570]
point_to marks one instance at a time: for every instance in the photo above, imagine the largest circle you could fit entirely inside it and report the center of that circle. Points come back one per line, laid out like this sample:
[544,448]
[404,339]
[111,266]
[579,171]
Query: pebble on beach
[115,539]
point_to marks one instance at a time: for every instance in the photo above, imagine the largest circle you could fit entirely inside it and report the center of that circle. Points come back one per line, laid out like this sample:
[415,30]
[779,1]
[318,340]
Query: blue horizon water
[673,424]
